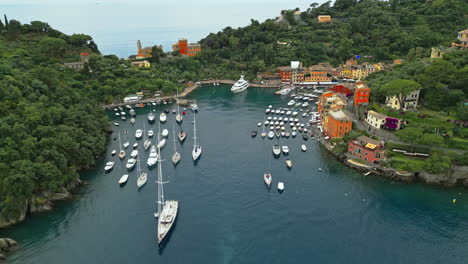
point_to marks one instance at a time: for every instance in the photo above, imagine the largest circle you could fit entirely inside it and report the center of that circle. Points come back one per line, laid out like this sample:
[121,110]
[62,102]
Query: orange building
[361,94]
[285,74]
[317,73]
[338,123]
[184,48]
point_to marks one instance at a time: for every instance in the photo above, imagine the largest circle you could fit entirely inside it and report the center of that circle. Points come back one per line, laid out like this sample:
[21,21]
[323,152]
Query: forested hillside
[49,126]
[383,30]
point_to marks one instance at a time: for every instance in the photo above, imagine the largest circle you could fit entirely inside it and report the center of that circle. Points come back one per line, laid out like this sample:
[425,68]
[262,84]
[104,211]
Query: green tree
[437,163]
[431,139]
[410,135]
[52,47]
[79,40]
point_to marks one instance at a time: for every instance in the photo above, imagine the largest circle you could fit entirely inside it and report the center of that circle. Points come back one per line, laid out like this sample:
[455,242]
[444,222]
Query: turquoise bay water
[228,216]
[116,25]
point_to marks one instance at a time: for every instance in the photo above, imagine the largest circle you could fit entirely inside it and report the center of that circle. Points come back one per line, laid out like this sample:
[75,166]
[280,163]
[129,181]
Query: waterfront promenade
[186,92]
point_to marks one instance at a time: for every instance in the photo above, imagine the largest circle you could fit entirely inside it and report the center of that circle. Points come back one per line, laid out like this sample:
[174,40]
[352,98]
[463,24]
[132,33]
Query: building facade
[408,102]
[365,148]
[185,48]
[338,123]
[361,94]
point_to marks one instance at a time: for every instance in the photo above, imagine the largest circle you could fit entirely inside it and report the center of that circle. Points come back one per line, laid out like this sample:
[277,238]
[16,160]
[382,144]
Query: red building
[361,94]
[367,149]
[285,74]
[341,89]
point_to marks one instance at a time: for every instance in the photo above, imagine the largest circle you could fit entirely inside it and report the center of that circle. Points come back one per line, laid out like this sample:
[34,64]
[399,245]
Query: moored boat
[276,150]
[162,117]
[123,179]
[285,149]
[240,86]
[303,147]
[280,186]
[109,166]
[182,135]
[288,163]
[253,133]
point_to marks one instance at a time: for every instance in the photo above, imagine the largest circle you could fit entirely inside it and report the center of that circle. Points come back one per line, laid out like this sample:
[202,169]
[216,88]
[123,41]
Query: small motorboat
[291,103]
[116,124]
[267,178]
[123,118]
[294,113]
[283,134]
[122,113]
[267,111]
[135,145]
[134,153]
[285,149]
[122,154]
[264,134]
[288,163]
[280,187]
[109,166]
[293,134]
[304,136]
[276,150]
[165,133]
[259,124]
[132,120]
[289,112]
[161,143]
[113,152]
[126,144]
[132,112]
[271,135]
[277,134]
[182,136]
[138,133]
[150,133]
[131,163]
[123,179]
[303,148]
[162,117]
[287,134]
[117,114]
[253,133]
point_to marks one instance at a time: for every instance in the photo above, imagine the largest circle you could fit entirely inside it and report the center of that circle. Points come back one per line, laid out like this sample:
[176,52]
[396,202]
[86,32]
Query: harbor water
[226,213]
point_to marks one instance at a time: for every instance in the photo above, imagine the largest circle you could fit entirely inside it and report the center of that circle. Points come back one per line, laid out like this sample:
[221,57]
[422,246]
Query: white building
[409,102]
[375,119]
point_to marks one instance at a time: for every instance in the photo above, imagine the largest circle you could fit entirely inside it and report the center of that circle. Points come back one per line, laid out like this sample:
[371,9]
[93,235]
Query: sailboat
[167,210]
[176,156]
[182,136]
[267,177]
[121,152]
[179,118]
[143,177]
[197,149]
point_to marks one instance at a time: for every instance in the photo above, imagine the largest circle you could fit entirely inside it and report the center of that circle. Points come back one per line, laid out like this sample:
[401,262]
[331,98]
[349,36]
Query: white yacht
[197,149]
[134,153]
[285,149]
[304,148]
[153,156]
[240,86]
[138,133]
[167,210]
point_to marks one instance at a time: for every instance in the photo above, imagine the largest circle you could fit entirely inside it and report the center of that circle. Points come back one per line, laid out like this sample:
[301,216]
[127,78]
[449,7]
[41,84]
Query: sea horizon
[116,29]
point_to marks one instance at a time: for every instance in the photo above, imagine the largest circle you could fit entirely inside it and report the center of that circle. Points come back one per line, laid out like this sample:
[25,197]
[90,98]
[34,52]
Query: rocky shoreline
[6,245]
[457,176]
[43,203]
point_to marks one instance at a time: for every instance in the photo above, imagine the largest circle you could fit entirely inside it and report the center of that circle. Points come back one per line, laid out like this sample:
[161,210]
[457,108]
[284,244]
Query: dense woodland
[51,124]
[381,30]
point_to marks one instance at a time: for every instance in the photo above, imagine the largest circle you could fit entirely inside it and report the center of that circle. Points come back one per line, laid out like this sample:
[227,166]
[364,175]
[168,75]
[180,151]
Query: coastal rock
[62,195]
[11,221]
[7,244]
[2,257]
[73,185]
[11,242]
[3,244]
[39,205]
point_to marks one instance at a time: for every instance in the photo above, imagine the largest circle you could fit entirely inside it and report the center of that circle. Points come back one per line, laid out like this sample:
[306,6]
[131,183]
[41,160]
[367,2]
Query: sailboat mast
[160,182]
[194,130]
[177,101]
[120,143]
[173,132]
